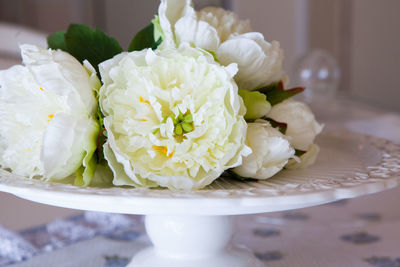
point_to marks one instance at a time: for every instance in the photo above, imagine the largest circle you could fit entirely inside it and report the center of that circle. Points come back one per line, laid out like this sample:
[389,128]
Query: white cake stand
[193,229]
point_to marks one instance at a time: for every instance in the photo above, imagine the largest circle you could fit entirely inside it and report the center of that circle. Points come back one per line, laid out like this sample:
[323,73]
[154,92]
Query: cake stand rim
[251,201]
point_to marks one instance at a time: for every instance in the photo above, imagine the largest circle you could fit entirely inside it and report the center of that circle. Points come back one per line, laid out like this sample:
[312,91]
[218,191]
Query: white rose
[173,119]
[305,160]
[271,151]
[302,128]
[46,113]
[259,62]
[221,31]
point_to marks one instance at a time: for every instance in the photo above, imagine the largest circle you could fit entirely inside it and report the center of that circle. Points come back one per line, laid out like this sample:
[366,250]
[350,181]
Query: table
[357,232]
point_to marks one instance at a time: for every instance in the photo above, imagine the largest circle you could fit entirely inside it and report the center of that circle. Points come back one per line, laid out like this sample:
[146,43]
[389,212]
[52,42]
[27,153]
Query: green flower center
[183,123]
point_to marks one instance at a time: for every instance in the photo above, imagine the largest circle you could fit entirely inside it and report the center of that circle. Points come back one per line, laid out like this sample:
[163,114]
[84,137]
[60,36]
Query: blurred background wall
[362,35]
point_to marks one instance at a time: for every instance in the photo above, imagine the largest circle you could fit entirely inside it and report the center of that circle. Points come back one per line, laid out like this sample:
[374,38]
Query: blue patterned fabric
[269,255]
[383,261]
[360,238]
[115,261]
[72,230]
[266,232]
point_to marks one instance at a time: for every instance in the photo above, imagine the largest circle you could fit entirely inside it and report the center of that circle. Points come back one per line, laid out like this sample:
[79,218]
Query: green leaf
[156,44]
[57,41]
[276,93]
[85,173]
[79,177]
[144,39]
[256,104]
[93,45]
[272,86]
[83,42]
[158,32]
[103,176]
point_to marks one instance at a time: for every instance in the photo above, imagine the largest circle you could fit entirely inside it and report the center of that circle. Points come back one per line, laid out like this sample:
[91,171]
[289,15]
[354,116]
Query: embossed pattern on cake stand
[194,228]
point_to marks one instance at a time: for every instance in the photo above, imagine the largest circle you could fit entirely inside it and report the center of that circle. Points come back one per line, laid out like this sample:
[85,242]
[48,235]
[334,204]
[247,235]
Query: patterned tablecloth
[358,232]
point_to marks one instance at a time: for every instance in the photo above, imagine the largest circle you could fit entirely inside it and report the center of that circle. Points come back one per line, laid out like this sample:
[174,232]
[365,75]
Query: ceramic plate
[349,165]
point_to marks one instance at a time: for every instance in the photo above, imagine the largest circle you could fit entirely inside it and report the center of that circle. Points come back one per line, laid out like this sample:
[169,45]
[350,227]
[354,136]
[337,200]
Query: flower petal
[302,127]
[62,152]
[146,98]
[169,12]
[270,151]
[45,110]
[200,33]
[305,160]
[60,73]
[22,105]
[120,177]
[259,62]
[89,146]
[224,21]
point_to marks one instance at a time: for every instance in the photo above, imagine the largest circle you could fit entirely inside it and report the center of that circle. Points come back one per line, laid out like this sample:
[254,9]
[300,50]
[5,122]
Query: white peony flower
[206,29]
[225,22]
[221,31]
[173,118]
[271,151]
[46,113]
[305,160]
[302,128]
[260,62]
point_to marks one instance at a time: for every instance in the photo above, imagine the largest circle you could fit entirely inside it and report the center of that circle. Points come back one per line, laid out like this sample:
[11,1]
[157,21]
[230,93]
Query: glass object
[319,72]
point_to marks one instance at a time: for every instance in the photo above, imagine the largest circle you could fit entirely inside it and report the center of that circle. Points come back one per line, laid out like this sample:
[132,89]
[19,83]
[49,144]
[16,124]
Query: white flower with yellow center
[173,118]
[221,31]
[47,110]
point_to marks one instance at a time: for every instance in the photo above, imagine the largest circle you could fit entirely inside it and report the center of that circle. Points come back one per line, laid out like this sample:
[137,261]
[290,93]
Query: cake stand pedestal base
[195,241]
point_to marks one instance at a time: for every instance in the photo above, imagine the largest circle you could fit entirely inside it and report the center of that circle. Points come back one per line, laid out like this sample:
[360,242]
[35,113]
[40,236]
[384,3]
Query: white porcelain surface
[233,258]
[349,165]
[184,226]
[195,241]
[188,236]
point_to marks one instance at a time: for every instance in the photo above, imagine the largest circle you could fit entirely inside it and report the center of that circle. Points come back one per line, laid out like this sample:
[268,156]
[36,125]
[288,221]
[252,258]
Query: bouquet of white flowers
[197,94]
